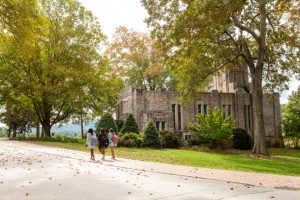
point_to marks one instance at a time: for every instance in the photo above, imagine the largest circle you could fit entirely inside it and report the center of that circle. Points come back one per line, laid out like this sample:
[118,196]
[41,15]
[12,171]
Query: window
[227,110]
[202,109]
[163,126]
[187,137]
[177,119]
[160,125]
[199,109]
[157,125]
[247,115]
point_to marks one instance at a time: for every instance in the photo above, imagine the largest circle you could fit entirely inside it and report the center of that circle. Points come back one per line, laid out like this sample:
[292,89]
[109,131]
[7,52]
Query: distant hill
[72,127]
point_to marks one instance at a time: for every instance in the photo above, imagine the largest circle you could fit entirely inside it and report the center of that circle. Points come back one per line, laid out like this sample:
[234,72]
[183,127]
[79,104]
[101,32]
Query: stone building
[230,91]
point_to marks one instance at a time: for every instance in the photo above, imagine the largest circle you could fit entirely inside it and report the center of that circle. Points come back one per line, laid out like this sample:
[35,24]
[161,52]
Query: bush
[130,125]
[70,140]
[241,139]
[59,138]
[131,140]
[214,128]
[119,124]
[106,122]
[168,140]
[3,133]
[151,137]
[50,139]
[20,136]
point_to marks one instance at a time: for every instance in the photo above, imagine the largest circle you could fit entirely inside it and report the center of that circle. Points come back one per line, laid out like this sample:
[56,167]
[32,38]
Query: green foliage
[3,133]
[60,138]
[130,125]
[119,124]
[50,53]
[151,137]
[139,58]
[169,140]
[131,140]
[291,119]
[106,122]
[214,128]
[241,139]
[18,115]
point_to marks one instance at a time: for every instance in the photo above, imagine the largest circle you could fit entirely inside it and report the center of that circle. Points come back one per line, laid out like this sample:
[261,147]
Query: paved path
[29,171]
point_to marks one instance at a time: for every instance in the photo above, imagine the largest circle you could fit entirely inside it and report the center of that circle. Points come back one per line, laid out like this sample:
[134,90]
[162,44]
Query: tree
[130,125]
[136,55]
[18,115]
[59,68]
[106,122]
[291,118]
[214,128]
[204,37]
[151,137]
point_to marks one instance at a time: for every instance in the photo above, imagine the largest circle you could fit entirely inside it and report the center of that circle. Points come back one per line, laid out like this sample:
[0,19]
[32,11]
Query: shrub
[241,139]
[50,139]
[168,140]
[151,137]
[131,140]
[214,128]
[106,122]
[119,124]
[130,125]
[59,138]
[3,133]
[70,140]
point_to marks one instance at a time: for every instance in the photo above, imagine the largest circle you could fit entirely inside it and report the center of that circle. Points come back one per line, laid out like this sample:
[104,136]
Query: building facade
[230,92]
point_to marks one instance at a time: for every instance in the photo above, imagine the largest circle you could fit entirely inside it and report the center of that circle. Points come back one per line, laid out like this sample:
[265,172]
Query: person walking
[103,143]
[112,141]
[91,142]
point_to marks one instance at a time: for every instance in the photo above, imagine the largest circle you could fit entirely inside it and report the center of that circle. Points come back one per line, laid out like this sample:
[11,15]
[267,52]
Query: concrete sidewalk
[37,164]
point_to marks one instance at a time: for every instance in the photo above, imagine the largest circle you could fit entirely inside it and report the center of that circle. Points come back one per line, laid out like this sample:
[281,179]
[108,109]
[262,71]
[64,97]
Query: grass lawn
[282,161]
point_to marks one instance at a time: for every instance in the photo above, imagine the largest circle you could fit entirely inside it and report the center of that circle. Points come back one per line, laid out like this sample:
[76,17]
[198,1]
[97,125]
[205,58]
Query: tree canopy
[205,37]
[56,63]
[138,59]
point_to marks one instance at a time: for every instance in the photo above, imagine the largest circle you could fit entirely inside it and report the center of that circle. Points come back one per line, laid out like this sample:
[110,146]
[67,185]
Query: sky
[114,13]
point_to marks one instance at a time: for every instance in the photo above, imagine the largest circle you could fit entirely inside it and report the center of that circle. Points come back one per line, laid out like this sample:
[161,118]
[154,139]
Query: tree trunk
[260,146]
[81,126]
[43,133]
[38,130]
[14,132]
[47,128]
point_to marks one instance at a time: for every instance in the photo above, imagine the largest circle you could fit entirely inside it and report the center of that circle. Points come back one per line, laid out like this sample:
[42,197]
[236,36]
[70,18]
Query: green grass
[282,161]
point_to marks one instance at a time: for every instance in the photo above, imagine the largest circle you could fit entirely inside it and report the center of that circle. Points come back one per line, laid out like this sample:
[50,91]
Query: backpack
[94,140]
[103,141]
[115,138]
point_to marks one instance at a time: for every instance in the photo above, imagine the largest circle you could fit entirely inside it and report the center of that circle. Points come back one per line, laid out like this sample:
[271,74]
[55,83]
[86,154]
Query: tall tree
[137,57]
[204,37]
[61,67]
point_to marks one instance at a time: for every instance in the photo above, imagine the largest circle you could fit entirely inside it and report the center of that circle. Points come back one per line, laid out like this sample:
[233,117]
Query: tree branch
[238,24]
